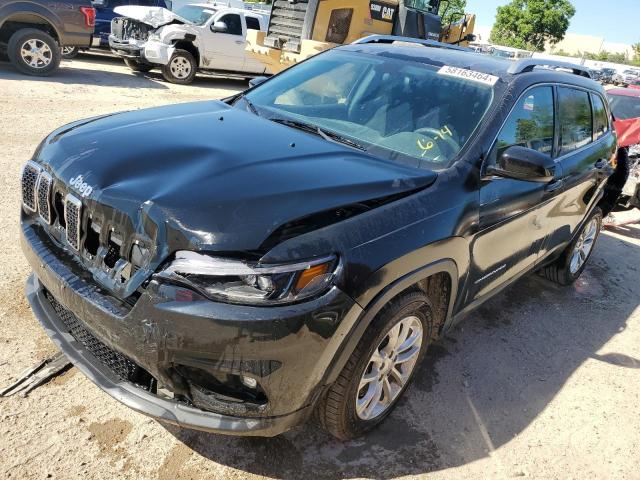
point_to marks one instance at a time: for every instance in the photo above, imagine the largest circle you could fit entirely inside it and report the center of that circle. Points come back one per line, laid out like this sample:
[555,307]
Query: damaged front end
[150,262]
[136,35]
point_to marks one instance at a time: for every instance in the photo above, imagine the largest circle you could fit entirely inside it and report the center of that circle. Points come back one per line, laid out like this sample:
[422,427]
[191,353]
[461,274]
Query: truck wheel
[136,66]
[566,269]
[69,52]
[33,52]
[181,69]
[380,368]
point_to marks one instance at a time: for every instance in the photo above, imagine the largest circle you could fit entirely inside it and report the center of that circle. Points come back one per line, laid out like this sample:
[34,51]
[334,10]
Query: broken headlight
[241,282]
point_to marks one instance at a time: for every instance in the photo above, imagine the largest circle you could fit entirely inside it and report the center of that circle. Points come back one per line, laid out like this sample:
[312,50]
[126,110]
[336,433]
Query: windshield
[395,109]
[195,14]
[624,107]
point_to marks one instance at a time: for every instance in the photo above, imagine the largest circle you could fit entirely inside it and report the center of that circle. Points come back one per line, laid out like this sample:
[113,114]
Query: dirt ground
[541,382]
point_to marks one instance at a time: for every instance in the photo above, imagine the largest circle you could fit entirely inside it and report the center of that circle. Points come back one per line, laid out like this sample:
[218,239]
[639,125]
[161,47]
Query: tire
[563,271]
[136,66]
[181,68]
[48,56]
[337,410]
[69,52]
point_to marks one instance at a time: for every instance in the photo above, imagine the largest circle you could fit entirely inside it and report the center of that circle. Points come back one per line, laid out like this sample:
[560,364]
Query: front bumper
[288,350]
[150,51]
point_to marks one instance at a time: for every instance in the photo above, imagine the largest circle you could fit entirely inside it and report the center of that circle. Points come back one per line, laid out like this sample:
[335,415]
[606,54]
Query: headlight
[236,281]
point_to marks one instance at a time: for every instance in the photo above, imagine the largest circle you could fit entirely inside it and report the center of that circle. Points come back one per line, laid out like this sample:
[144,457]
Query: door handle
[602,164]
[240,42]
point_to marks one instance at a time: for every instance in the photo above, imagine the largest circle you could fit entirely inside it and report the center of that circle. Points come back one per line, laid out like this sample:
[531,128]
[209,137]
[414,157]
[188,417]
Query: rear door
[585,144]
[225,50]
[252,64]
[513,213]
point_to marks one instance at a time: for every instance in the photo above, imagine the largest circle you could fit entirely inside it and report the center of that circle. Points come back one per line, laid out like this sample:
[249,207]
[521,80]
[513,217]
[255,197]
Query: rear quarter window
[600,117]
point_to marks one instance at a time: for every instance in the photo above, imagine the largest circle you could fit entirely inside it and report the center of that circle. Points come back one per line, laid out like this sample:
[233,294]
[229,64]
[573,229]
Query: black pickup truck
[33,31]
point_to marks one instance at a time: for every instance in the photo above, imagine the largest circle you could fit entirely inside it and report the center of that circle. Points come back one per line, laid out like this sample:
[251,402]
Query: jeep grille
[30,175]
[44,197]
[72,212]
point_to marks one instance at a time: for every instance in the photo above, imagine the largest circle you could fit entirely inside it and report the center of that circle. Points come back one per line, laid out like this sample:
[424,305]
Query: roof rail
[418,41]
[528,64]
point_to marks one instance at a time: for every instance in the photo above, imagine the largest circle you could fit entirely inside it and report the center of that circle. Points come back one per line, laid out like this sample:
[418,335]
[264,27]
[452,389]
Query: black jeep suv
[236,265]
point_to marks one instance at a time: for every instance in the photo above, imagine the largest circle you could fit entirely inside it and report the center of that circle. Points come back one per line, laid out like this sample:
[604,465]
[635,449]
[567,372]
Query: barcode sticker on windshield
[469,75]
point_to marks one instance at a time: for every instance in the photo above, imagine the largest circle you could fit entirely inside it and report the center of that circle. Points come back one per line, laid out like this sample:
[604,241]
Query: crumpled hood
[154,16]
[208,176]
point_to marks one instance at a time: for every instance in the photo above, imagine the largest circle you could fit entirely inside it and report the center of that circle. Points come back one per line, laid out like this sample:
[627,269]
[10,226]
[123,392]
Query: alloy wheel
[583,246]
[389,368]
[180,67]
[36,53]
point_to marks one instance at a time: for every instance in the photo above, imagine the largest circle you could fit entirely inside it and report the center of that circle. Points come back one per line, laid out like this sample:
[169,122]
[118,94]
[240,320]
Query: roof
[624,92]
[435,56]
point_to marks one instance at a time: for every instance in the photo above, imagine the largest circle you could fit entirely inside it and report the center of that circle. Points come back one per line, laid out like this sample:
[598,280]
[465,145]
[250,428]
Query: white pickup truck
[194,37]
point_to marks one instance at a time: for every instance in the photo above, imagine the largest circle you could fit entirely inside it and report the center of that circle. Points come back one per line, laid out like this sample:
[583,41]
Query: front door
[225,50]
[513,213]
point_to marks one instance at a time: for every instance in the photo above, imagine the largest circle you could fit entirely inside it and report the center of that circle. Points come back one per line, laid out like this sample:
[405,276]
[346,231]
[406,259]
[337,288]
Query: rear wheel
[69,52]
[573,260]
[33,52]
[137,66]
[380,368]
[181,69]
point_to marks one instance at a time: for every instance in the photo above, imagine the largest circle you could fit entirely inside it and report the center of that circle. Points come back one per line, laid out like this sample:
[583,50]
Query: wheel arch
[31,16]
[188,44]
[426,278]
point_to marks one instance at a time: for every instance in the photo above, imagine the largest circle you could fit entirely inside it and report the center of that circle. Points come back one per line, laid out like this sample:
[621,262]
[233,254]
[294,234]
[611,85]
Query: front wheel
[380,368]
[181,69]
[33,52]
[69,52]
[566,269]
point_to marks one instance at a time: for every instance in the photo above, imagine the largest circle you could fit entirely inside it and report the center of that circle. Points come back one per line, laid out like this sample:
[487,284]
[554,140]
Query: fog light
[249,382]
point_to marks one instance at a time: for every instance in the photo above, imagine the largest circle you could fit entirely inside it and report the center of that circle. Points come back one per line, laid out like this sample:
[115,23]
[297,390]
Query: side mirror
[254,82]
[523,163]
[219,27]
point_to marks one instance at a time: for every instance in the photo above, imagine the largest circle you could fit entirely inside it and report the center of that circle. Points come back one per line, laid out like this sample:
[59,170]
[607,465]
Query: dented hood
[208,176]
[154,16]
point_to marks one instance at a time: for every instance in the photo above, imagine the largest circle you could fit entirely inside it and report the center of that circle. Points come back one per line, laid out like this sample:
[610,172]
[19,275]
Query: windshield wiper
[326,134]
[252,108]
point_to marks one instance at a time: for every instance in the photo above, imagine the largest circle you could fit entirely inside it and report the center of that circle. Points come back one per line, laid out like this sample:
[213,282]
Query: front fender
[158,52]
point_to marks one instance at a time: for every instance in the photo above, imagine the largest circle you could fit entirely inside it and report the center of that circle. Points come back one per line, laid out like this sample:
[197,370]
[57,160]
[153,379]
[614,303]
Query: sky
[615,20]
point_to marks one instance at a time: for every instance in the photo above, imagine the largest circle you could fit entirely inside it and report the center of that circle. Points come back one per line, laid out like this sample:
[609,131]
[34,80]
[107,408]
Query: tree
[452,10]
[530,24]
[636,50]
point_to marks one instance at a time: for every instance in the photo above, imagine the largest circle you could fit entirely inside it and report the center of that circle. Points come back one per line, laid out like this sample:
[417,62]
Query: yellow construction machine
[299,29]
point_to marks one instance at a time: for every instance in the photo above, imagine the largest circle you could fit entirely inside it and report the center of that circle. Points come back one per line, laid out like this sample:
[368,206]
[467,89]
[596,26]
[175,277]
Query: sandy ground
[541,382]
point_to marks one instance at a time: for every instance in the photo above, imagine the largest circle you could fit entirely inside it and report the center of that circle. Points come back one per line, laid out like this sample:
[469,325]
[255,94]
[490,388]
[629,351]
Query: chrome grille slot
[72,217]
[30,174]
[44,196]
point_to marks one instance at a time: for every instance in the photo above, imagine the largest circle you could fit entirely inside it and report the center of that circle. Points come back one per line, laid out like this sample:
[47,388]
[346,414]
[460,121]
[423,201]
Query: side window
[600,118]
[530,124]
[253,23]
[339,24]
[233,22]
[575,119]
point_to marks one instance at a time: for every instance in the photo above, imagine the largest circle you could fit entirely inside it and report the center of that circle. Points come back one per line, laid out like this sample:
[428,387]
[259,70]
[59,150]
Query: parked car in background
[625,106]
[596,75]
[239,266]
[195,37]
[33,32]
[104,14]
[626,77]
[607,75]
